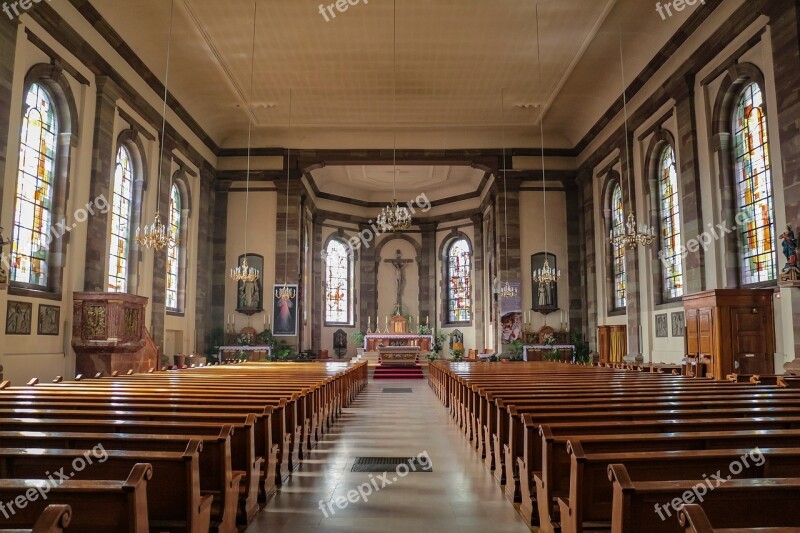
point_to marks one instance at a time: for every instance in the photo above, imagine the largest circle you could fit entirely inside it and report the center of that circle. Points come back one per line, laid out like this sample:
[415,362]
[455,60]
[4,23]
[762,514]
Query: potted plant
[458,355]
[516,348]
[494,359]
[583,354]
[433,356]
[439,341]
[358,340]
[552,355]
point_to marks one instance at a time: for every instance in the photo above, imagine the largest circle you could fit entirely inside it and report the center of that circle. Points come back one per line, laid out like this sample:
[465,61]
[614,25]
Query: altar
[374,341]
[399,356]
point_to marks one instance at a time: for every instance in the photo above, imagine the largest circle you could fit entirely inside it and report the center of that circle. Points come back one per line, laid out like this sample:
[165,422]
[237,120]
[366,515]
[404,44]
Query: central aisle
[459,495]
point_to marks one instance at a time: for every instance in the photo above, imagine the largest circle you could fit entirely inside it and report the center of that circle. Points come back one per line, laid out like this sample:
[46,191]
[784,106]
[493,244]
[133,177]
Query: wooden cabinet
[731,330]
[612,343]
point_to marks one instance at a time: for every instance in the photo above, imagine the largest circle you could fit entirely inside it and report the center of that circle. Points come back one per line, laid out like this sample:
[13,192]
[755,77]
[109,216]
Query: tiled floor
[458,496]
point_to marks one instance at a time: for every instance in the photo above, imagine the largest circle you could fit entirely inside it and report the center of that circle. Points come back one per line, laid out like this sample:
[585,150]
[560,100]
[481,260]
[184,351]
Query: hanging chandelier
[393,217]
[634,233]
[545,275]
[504,289]
[157,236]
[285,293]
[244,272]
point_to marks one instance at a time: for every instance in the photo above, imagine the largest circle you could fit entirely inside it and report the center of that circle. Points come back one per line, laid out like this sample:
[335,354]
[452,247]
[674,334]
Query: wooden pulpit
[108,334]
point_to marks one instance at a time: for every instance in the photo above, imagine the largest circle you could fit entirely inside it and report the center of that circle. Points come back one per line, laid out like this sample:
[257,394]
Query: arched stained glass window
[120,222]
[459,267]
[669,200]
[618,250]
[754,188]
[337,283]
[31,238]
[174,252]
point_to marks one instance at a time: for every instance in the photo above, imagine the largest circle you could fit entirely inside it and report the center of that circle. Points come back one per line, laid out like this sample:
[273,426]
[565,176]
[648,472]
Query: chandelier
[285,293]
[244,272]
[504,289]
[157,235]
[545,275]
[635,232]
[393,217]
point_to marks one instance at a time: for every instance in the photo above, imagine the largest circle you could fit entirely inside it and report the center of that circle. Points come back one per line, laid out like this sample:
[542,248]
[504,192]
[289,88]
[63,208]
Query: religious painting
[662,328]
[250,294]
[49,320]
[511,315]
[284,309]
[18,318]
[678,324]
[544,295]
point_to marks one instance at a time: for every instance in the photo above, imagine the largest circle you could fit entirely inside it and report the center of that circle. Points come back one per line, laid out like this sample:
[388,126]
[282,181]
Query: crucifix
[399,277]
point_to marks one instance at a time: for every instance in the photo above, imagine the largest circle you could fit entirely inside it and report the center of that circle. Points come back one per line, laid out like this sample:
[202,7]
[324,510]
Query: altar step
[410,372]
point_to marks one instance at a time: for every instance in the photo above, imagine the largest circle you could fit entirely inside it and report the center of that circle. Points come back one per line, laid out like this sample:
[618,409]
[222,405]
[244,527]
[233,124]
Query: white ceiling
[453,60]
[373,183]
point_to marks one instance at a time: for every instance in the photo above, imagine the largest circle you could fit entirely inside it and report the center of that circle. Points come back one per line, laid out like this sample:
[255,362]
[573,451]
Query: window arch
[754,188]
[174,252]
[121,215]
[33,212]
[670,216]
[338,283]
[459,281]
[618,250]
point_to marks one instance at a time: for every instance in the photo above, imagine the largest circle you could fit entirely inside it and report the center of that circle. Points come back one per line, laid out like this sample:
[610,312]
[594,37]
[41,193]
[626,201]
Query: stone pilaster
[427,271]
[575,259]
[588,266]
[368,261]
[633,304]
[287,246]
[219,238]
[205,244]
[509,266]
[103,162]
[317,311]
[158,301]
[682,90]
[8,50]
[478,276]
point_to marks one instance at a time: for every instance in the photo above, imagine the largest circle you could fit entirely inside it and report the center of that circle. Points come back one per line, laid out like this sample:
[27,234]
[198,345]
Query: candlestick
[427,320]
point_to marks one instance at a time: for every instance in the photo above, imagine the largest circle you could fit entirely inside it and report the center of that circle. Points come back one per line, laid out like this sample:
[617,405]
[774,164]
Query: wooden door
[750,344]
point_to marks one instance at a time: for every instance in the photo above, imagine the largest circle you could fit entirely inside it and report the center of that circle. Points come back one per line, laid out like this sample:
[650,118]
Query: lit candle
[369,321]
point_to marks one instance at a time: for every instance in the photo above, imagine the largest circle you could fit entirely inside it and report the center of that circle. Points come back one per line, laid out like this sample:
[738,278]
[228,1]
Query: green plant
[516,348]
[494,359]
[583,354]
[265,338]
[358,338]
[432,357]
[439,341]
[422,329]
[458,355]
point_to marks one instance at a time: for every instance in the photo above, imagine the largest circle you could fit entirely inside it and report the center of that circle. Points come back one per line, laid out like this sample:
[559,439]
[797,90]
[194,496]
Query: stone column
[575,258]
[588,264]
[368,267]
[8,50]
[509,266]
[287,246]
[682,90]
[219,237]
[478,276]
[428,271]
[205,263]
[158,301]
[317,311]
[632,275]
[103,162]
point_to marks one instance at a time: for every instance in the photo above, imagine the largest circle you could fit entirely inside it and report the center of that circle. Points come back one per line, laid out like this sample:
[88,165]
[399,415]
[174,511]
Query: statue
[400,279]
[249,295]
[791,271]
[544,295]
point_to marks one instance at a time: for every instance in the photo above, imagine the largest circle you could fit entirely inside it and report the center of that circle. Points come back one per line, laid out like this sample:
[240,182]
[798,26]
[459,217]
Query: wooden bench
[53,519]
[694,519]
[97,506]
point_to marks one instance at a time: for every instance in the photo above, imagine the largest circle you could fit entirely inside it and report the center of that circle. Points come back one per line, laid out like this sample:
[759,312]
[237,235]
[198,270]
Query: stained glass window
[32,213]
[459,267]
[671,256]
[754,186]
[120,222]
[337,283]
[174,252]
[618,250]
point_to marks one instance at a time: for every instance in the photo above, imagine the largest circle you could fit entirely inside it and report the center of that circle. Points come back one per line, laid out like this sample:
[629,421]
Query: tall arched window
[174,252]
[754,187]
[459,268]
[671,257]
[618,250]
[120,222]
[33,219]
[338,282]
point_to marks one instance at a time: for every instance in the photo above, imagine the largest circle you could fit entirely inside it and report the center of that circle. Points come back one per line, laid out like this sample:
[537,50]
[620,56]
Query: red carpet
[410,372]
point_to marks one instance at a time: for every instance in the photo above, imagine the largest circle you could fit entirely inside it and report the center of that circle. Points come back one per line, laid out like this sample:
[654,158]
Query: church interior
[401,264]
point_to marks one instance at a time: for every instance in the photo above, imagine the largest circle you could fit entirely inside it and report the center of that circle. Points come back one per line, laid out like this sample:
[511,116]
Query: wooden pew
[729,505]
[53,519]
[588,505]
[694,519]
[98,506]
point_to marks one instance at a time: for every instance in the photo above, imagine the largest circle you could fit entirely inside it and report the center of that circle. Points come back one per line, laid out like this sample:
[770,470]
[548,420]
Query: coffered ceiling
[454,59]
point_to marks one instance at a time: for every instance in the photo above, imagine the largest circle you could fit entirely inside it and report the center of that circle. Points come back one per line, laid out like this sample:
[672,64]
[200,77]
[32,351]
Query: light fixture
[245,273]
[393,217]
[545,275]
[634,233]
[504,289]
[156,236]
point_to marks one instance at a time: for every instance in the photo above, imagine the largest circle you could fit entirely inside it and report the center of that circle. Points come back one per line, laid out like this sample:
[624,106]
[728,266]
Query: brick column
[682,90]
[219,238]
[8,50]
[478,276]
[288,252]
[103,162]
[427,271]
[205,244]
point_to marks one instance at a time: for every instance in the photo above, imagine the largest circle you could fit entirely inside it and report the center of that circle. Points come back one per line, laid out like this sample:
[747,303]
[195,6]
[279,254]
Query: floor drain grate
[398,390]
[389,464]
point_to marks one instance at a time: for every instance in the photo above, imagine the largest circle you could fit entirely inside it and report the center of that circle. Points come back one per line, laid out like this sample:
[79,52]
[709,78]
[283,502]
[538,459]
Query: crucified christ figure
[399,277]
